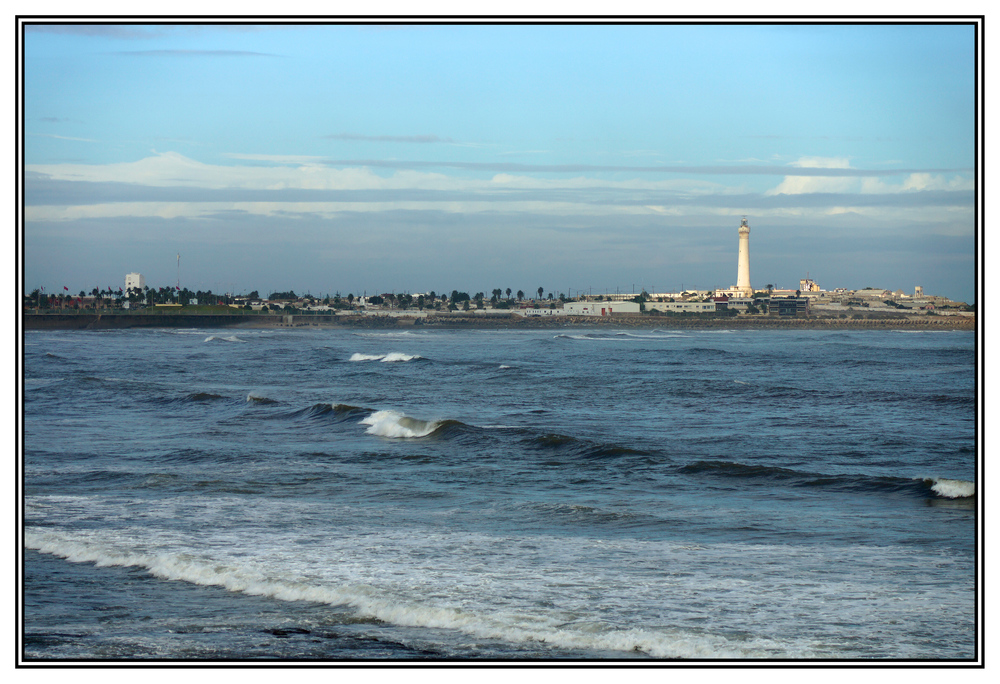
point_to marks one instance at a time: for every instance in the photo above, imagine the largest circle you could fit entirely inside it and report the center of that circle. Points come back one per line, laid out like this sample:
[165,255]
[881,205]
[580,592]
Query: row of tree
[115,299]
[149,296]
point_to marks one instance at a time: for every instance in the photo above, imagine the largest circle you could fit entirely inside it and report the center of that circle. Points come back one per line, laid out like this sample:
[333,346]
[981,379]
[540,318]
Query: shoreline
[117,321]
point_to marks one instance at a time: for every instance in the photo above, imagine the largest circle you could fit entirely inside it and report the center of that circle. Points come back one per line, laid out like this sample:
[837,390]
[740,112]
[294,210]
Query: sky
[576,158]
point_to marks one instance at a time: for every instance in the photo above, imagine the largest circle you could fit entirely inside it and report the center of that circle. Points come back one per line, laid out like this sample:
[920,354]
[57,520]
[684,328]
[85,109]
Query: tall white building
[743,269]
[134,280]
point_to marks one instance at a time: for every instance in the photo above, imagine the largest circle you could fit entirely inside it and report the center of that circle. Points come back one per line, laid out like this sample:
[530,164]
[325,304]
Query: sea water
[574,494]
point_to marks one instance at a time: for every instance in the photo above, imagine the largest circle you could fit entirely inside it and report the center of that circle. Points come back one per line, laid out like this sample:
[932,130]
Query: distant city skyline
[409,158]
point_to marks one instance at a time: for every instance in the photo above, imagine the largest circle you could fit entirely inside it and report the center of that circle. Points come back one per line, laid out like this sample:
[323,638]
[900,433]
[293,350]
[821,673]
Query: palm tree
[540,291]
[508,293]
[520,295]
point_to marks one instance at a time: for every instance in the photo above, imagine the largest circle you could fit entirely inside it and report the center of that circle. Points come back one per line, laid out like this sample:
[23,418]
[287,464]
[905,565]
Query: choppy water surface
[332,494]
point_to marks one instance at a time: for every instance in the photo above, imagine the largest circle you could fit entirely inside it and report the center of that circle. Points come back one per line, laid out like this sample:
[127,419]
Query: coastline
[53,321]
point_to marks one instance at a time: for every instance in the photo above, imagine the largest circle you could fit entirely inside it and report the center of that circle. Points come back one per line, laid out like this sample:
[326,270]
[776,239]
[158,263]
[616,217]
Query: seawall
[89,321]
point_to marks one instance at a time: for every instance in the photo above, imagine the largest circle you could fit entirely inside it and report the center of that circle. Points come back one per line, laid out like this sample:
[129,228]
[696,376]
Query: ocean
[557,494]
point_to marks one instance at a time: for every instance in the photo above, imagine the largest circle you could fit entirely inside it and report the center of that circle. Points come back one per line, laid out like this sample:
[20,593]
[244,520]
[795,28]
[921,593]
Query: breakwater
[111,321]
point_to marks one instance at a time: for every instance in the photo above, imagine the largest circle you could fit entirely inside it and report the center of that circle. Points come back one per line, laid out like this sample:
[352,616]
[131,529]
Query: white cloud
[515,193]
[276,158]
[799,185]
[822,163]
[61,137]
[916,182]
[193,210]
[170,169]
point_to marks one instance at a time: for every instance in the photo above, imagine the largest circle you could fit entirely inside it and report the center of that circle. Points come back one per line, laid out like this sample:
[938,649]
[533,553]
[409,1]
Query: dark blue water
[585,494]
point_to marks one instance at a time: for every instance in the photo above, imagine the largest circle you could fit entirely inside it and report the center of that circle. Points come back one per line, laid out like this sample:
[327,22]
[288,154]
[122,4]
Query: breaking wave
[916,486]
[223,338]
[257,399]
[620,336]
[952,489]
[386,358]
[384,604]
[398,425]
[404,334]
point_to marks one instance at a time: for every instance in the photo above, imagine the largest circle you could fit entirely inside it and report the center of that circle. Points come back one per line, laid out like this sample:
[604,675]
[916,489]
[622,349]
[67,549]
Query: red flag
[65,288]
[178,288]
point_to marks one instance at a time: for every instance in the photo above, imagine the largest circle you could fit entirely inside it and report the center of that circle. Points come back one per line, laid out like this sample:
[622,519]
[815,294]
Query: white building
[743,265]
[682,307]
[540,312]
[742,287]
[135,280]
[599,308]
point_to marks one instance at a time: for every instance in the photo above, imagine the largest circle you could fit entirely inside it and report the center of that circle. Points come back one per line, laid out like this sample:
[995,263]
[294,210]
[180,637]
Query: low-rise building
[600,308]
[535,311]
[788,306]
[682,307]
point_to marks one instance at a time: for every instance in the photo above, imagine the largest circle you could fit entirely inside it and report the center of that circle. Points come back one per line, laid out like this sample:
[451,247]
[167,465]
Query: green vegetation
[282,296]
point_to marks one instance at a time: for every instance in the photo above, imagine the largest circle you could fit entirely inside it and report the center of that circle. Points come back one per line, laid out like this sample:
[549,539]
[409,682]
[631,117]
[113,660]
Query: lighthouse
[743,270]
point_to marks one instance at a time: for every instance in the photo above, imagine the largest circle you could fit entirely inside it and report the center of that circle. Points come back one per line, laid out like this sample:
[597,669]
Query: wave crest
[336,413]
[257,399]
[952,489]
[919,486]
[398,425]
[392,357]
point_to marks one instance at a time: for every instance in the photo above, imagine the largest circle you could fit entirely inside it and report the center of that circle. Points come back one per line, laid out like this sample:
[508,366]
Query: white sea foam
[406,609]
[405,333]
[260,399]
[953,489]
[589,338]
[223,338]
[391,357]
[617,336]
[654,335]
[923,332]
[398,356]
[398,425]
[367,357]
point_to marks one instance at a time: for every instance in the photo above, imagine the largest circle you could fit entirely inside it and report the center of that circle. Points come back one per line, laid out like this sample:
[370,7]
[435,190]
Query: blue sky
[414,158]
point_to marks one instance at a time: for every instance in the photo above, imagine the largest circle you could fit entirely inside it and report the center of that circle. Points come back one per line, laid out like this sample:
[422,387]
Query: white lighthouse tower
[743,271]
